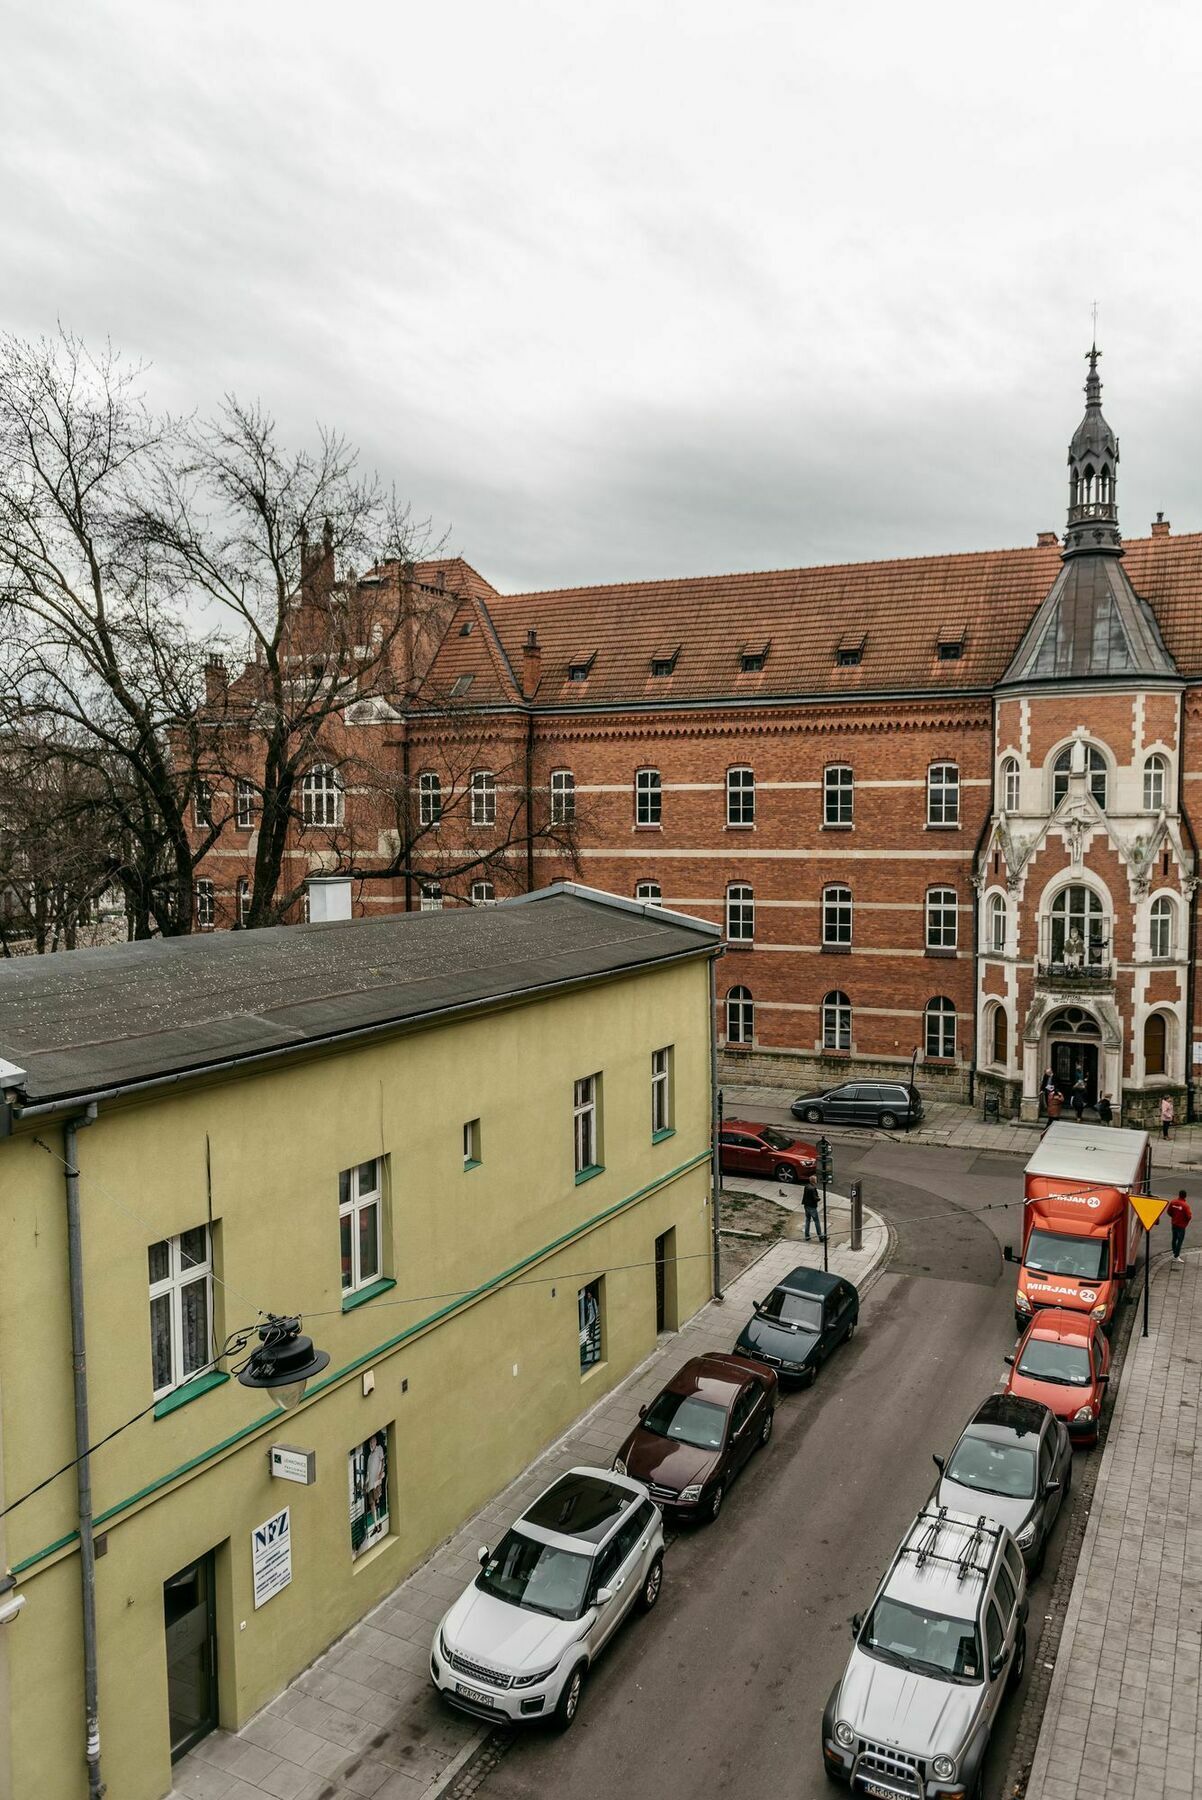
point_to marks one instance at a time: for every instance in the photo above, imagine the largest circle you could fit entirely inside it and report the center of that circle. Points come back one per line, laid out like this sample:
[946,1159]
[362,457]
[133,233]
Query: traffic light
[826,1166]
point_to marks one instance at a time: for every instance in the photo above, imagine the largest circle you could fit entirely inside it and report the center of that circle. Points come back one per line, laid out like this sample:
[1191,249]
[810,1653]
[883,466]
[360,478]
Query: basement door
[190,1621]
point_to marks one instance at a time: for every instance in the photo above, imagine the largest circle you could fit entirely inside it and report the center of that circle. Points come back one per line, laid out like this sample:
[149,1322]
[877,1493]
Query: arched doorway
[1074,1040]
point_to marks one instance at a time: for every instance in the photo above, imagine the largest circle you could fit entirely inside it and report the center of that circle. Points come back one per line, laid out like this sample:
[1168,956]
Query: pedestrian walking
[1077,1098]
[811,1200]
[1047,1088]
[1055,1104]
[1105,1110]
[1180,1214]
[1166,1116]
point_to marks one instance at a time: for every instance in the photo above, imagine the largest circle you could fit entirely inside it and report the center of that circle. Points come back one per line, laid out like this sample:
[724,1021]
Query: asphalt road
[721,1690]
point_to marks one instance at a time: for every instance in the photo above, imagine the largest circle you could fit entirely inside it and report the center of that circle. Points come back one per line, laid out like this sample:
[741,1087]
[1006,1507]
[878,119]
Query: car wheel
[766,1427]
[785,1173]
[649,1593]
[888,1121]
[1019,1662]
[813,1115]
[568,1704]
[850,1332]
[811,1374]
[715,1504]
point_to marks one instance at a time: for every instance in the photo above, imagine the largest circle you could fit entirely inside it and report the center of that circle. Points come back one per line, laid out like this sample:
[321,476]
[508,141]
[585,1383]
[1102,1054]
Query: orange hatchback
[1063,1359]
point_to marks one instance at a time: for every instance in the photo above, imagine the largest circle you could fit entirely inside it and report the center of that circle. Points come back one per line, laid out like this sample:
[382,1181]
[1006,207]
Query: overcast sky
[642,288]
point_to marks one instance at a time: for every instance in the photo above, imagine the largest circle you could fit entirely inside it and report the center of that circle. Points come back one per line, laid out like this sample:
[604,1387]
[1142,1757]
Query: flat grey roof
[1092,1153]
[88,1021]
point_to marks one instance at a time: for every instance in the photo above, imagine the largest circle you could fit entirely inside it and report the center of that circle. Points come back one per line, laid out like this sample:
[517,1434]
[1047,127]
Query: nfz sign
[271,1556]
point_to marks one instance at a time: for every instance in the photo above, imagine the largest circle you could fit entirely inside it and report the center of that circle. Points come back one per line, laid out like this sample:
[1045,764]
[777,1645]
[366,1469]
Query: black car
[1013,1462]
[795,1328]
[884,1103]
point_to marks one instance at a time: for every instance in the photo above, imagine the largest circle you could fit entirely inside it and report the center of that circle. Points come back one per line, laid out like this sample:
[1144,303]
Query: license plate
[882,1793]
[474,1694]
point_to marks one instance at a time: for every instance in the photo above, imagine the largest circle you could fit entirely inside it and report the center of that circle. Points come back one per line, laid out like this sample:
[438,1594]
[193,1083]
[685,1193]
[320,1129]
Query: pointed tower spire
[1093,455]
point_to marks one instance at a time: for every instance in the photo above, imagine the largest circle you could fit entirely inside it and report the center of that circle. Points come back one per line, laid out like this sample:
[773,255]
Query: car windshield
[540,1577]
[777,1139]
[993,1468]
[687,1420]
[1065,1364]
[925,1642]
[1050,1254]
[802,1310]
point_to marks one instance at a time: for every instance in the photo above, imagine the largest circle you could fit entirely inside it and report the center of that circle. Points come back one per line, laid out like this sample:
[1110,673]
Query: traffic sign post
[1149,1209]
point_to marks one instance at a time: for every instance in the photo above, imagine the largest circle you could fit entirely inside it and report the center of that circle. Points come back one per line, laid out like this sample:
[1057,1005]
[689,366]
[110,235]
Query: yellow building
[470,1149]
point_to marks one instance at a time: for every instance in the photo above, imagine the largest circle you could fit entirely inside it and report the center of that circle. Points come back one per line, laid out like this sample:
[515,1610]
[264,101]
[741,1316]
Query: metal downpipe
[83,1471]
[715,1128]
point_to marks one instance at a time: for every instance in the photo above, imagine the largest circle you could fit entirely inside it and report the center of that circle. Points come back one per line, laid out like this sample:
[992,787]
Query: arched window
[836,915]
[943,794]
[740,797]
[1156,775]
[321,796]
[997,924]
[429,797]
[1078,928]
[1000,1036]
[484,797]
[483,893]
[740,1016]
[648,890]
[1156,1045]
[838,795]
[563,797]
[740,913]
[1160,924]
[1095,768]
[1010,785]
[648,797]
[941,1027]
[941,918]
[836,1021]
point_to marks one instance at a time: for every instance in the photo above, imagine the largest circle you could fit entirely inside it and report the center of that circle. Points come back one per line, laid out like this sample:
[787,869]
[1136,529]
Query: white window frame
[838,794]
[838,914]
[182,1274]
[648,797]
[836,1020]
[740,1016]
[649,891]
[939,1023]
[1011,784]
[1162,928]
[563,797]
[242,896]
[740,796]
[484,797]
[321,796]
[471,1144]
[1097,773]
[1156,782]
[431,896]
[740,913]
[661,1090]
[943,794]
[354,1200]
[429,797]
[997,912]
[206,904]
[244,804]
[586,1147]
[202,804]
[997,1012]
[484,893]
[942,917]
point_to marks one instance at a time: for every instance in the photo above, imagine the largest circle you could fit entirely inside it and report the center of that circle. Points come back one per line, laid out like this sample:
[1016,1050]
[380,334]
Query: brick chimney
[217,681]
[1045,539]
[532,665]
[1160,526]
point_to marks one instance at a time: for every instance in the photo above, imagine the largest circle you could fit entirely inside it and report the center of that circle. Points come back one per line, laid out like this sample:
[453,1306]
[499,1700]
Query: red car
[697,1433]
[1063,1359]
[764,1150]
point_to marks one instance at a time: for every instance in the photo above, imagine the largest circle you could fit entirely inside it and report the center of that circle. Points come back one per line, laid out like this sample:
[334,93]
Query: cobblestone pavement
[1122,1717]
[947,1123]
[363,1720]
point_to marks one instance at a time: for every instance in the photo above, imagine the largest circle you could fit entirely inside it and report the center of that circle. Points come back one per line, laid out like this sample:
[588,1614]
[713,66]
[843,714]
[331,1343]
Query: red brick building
[943,805]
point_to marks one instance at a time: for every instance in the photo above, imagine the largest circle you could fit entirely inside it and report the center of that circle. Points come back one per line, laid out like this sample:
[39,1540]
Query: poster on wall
[368,1467]
[271,1556]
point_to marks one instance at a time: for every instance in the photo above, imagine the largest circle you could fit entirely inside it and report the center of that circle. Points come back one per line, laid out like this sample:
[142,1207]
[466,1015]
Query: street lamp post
[283,1361]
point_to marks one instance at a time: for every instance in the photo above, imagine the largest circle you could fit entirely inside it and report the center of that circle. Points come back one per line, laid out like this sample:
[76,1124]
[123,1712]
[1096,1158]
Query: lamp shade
[283,1362]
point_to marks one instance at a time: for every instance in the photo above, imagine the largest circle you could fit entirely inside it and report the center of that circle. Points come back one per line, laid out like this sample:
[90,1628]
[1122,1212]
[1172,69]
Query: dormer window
[752,659]
[951,649]
[663,663]
[460,685]
[580,667]
[849,651]
[465,630]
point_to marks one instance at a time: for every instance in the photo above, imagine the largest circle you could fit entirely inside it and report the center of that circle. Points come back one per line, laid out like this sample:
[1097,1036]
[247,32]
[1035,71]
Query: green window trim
[189,1391]
[588,1173]
[665,1131]
[362,1295]
[473,1162]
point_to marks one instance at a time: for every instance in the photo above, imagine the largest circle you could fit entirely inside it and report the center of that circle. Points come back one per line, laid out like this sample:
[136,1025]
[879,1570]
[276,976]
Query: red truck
[1081,1233]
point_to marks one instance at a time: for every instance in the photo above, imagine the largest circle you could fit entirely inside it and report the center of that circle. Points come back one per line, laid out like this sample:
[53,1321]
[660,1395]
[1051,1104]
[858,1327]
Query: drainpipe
[87,1553]
[715,1128]
[976,916]
[1191,936]
[406,777]
[530,800]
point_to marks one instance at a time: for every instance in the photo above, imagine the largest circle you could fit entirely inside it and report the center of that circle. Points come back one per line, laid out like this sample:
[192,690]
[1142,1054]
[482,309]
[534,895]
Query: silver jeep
[943,1642]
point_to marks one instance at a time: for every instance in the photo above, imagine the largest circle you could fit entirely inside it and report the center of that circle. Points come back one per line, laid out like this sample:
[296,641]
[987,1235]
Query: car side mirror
[996,1667]
[1008,1254]
[482,1555]
[938,1462]
[642,1412]
[1129,1272]
[857,1623]
[1103,1379]
[603,1596]
[1052,1484]
[1009,1358]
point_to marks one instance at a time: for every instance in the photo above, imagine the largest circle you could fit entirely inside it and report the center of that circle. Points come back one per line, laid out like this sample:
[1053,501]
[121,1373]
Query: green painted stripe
[465,1300]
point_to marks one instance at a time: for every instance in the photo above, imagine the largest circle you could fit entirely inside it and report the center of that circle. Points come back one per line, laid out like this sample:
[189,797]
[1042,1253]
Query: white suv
[518,1643]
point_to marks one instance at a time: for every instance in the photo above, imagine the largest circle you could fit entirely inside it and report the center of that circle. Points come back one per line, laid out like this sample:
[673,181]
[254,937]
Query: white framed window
[242,900]
[1156,1044]
[999,1036]
[649,890]
[740,913]
[202,803]
[361,1223]
[1156,776]
[661,1090]
[838,795]
[940,1019]
[943,794]
[563,797]
[321,796]
[1077,928]
[472,1157]
[941,918]
[429,798]
[484,797]
[181,1308]
[1160,926]
[740,1016]
[740,797]
[1010,785]
[648,797]
[997,924]
[206,906]
[483,893]
[244,804]
[836,1021]
[836,915]
[431,896]
[1095,769]
[585,1136]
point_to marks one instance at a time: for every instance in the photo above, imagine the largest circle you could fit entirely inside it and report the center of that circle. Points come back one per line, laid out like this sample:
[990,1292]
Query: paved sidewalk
[946,1123]
[1122,1717]
[363,1720]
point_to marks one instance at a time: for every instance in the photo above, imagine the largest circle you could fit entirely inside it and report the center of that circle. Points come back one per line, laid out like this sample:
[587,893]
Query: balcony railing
[1080,974]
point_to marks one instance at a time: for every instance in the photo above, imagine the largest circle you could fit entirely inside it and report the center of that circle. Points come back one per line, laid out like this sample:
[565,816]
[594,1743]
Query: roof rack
[965,1562]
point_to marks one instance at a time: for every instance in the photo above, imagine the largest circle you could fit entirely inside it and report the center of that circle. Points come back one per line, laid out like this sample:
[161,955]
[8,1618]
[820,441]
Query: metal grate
[462,1666]
[901,1770]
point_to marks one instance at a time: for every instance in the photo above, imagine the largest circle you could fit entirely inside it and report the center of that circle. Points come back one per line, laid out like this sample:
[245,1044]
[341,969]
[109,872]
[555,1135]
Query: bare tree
[56,852]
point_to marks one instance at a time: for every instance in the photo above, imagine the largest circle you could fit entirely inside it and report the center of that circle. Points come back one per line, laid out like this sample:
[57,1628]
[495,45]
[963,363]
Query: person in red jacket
[1180,1214]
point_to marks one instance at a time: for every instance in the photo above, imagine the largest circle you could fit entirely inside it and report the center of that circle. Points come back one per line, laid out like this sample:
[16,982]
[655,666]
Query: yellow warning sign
[1149,1208]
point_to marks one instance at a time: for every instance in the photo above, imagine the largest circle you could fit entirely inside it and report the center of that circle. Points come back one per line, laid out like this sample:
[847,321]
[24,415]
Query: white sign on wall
[290,1464]
[1197,1052]
[271,1556]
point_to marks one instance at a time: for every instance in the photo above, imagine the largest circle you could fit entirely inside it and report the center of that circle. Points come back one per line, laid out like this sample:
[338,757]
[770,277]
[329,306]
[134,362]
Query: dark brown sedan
[695,1436]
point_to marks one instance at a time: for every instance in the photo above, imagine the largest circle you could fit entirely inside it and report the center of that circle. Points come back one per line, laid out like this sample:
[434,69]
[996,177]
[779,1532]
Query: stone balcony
[1080,977]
